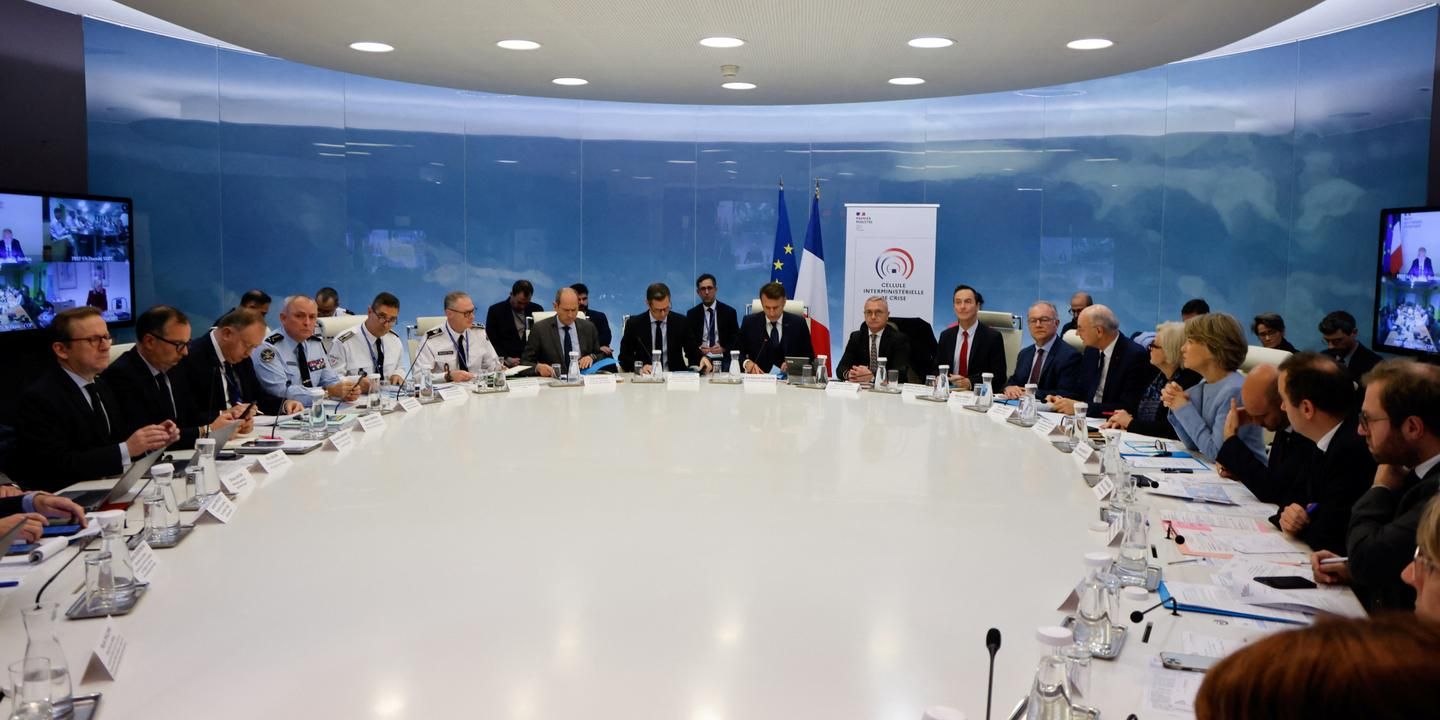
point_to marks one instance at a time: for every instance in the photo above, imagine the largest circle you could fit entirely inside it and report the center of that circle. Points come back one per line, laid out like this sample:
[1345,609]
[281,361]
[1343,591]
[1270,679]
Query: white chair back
[1008,325]
[1072,339]
[1261,355]
[536,317]
[118,349]
[794,307]
[332,326]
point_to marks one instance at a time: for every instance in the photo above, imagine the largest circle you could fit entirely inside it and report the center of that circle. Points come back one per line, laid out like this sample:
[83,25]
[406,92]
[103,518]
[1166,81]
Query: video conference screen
[64,251]
[1407,298]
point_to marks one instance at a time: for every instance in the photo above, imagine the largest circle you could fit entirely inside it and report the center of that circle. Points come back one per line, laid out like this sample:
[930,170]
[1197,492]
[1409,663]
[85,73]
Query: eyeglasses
[1041,320]
[1153,346]
[390,319]
[179,345]
[462,313]
[1423,564]
[94,340]
[1366,419]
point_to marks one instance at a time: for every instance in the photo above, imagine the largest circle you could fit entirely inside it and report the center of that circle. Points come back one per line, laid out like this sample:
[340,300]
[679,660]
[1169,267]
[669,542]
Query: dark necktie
[710,312]
[164,385]
[659,343]
[102,419]
[963,362]
[874,351]
[379,357]
[232,381]
[462,354]
[1035,370]
[569,347]
[303,363]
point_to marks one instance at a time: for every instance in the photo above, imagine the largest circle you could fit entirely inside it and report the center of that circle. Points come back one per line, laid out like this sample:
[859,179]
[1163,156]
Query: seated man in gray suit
[552,339]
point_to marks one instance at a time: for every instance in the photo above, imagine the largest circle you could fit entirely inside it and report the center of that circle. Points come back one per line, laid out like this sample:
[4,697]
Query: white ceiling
[797,52]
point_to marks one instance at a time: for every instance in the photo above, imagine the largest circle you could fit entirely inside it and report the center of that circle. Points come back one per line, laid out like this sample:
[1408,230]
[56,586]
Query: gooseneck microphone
[1169,602]
[1170,533]
[432,333]
[992,643]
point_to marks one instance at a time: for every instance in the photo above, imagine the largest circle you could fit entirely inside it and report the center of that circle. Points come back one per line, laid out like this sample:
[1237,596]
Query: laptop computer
[92,500]
[795,369]
[220,436]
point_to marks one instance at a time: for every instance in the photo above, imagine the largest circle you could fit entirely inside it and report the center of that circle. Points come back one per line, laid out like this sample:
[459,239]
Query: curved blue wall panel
[1252,180]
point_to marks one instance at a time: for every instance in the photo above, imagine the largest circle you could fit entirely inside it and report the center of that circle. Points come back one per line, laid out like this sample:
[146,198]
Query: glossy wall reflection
[1253,180]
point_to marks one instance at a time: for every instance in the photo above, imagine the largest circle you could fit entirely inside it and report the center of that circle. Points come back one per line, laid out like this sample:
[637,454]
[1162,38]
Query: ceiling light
[519,44]
[1089,44]
[375,47]
[507,162]
[738,86]
[907,81]
[931,42]
[570,81]
[722,42]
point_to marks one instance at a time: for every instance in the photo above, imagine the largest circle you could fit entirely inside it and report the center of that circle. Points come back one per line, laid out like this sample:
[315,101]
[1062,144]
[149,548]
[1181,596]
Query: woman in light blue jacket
[1215,348]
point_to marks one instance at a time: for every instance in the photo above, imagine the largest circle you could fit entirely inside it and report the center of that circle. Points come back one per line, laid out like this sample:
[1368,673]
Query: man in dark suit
[660,328]
[868,345]
[1319,400]
[715,322]
[1273,478]
[1078,302]
[1056,370]
[770,336]
[552,339]
[1115,370]
[219,372]
[143,381]
[505,322]
[1420,267]
[1400,420]
[71,428]
[970,348]
[1343,343]
[596,318]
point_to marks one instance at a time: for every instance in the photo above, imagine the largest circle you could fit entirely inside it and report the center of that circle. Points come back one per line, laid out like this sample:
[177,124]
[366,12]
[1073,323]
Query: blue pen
[9,583]
[1310,509]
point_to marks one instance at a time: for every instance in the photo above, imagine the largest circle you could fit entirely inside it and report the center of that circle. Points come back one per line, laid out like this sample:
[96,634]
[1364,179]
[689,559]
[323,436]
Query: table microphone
[432,333]
[992,643]
[1173,604]
[1170,533]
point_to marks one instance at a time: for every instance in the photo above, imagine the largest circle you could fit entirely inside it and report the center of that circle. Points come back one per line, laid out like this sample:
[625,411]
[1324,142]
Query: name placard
[274,462]
[760,384]
[683,382]
[371,423]
[599,383]
[454,393]
[1084,452]
[105,657]
[1044,426]
[219,508]
[409,404]
[342,441]
[1000,412]
[1103,488]
[842,389]
[236,481]
[144,561]
[524,388]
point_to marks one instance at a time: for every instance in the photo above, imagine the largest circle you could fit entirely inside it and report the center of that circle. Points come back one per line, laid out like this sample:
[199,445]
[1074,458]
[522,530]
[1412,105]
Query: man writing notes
[460,348]
[554,338]
[219,372]
[293,361]
[878,339]
[660,329]
[770,336]
[505,322]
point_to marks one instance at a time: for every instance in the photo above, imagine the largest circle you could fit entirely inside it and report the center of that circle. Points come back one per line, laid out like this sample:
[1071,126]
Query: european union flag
[786,264]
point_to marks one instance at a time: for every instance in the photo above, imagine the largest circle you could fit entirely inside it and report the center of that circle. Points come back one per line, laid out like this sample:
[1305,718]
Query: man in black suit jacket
[219,373]
[770,336]
[679,348]
[1420,267]
[1058,370]
[1319,401]
[505,322]
[1343,343]
[71,427]
[1291,454]
[876,339]
[983,348]
[546,345]
[1400,421]
[1116,371]
[143,381]
[596,318]
[715,323]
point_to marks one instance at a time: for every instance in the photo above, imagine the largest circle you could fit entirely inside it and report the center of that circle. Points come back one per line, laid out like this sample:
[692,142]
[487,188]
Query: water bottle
[1029,406]
[112,540]
[656,369]
[735,370]
[163,489]
[881,380]
[317,412]
[1098,604]
[1079,431]
[983,391]
[40,641]
[375,382]
[941,390]
[822,369]
[1135,544]
[573,374]
[1050,693]
[427,384]
[205,458]
[1110,459]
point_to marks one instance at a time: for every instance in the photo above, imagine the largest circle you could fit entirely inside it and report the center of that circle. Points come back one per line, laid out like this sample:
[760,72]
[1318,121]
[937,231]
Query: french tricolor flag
[810,287]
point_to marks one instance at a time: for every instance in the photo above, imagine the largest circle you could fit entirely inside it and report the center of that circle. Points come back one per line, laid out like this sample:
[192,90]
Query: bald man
[552,339]
[1276,478]
[1115,371]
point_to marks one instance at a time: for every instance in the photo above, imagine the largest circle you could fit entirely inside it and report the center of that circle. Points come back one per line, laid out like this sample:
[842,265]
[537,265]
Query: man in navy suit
[1115,370]
[970,348]
[596,318]
[660,329]
[505,322]
[1056,370]
[767,338]
[716,323]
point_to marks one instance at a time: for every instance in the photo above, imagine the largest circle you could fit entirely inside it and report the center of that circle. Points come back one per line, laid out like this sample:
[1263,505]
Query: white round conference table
[645,553]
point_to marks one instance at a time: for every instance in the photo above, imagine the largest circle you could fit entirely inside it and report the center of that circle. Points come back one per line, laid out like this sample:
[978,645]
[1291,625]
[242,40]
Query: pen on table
[1148,627]
[1335,561]
[1183,471]
[1182,562]
[9,583]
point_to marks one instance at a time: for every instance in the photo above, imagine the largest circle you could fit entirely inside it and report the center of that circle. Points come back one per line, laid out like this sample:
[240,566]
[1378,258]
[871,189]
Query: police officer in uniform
[372,346]
[294,359]
[460,349]
[327,302]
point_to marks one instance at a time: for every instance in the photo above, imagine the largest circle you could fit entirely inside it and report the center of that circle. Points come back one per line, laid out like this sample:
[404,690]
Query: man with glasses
[461,350]
[1049,363]
[717,323]
[219,373]
[660,329]
[1079,301]
[1400,420]
[373,347]
[1342,341]
[292,362]
[878,339]
[71,428]
[145,386]
[554,338]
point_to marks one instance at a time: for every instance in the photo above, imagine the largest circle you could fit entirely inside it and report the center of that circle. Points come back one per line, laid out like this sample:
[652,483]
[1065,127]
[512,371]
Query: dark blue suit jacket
[602,326]
[1060,374]
[1130,374]
[755,344]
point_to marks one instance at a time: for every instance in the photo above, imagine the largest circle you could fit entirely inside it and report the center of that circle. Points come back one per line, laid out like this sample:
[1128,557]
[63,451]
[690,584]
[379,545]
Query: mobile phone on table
[1286,582]
[1185,661]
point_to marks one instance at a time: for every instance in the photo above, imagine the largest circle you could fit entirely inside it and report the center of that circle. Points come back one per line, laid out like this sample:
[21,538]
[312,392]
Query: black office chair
[922,346]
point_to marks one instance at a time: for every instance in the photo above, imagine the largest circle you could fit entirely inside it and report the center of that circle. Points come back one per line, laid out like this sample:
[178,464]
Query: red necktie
[964,361]
[1039,363]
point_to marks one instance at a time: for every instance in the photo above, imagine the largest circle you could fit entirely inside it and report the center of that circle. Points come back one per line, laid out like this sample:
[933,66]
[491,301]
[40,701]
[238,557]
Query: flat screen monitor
[1407,297]
[59,251]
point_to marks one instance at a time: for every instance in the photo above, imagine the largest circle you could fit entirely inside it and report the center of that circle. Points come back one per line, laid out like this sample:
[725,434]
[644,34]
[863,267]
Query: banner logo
[894,264]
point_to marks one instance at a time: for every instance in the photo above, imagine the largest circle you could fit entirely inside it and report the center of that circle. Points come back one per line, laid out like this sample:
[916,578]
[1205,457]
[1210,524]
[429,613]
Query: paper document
[1193,643]
[512,372]
[1220,599]
[1170,691]
[1166,463]
[1209,521]
[1262,544]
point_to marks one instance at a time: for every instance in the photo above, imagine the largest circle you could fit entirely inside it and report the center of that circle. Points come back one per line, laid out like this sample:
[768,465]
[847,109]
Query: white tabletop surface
[647,553]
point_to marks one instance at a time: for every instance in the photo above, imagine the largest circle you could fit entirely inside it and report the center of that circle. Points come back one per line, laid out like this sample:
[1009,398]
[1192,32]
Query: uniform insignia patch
[267,355]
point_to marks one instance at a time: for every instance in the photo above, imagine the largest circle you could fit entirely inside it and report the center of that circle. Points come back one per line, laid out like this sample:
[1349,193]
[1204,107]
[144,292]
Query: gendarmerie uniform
[287,368]
[356,349]
[470,351]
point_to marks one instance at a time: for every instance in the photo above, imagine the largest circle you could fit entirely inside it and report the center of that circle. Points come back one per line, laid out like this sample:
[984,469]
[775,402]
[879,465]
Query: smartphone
[1286,582]
[1192,663]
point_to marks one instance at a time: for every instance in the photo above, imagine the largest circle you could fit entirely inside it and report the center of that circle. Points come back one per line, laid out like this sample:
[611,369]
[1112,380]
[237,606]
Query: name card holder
[682,382]
[342,441]
[1000,412]
[409,404]
[371,423]
[760,384]
[274,462]
[599,383]
[106,656]
[219,508]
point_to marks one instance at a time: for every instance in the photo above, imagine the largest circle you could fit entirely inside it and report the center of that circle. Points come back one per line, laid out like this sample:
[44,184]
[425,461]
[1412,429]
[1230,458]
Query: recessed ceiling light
[907,81]
[1089,44]
[376,47]
[507,162]
[519,44]
[738,86]
[722,42]
[570,81]
[931,42]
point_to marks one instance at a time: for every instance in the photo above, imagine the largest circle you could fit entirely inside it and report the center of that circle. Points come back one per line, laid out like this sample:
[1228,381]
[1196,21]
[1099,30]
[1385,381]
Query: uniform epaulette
[275,339]
[477,326]
[345,336]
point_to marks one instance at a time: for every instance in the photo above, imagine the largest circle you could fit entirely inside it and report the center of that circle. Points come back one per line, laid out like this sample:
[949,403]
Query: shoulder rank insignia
[267,355]
[275,339]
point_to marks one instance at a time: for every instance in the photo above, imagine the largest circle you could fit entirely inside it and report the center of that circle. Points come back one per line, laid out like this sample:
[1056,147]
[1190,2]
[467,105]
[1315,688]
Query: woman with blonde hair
[1151,416]
[1423,573]
[1214,347]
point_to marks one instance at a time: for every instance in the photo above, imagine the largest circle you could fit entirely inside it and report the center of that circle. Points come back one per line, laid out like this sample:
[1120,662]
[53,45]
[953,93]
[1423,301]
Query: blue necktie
[568,346]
